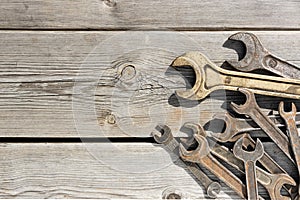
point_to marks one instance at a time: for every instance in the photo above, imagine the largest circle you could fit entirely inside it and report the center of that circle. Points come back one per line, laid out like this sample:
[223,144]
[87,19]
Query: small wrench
[250,159]
[166,137]
[202,156]
[252,109]
[258,57]
[289,118]
[210,77]
[235,126]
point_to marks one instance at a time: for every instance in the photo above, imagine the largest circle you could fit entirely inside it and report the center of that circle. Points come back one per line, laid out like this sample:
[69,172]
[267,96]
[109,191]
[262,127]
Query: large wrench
[258,57]
[250,159]
[289,118]
[235,126]
[202,156]
[210,77]
[252,109]
[166,137]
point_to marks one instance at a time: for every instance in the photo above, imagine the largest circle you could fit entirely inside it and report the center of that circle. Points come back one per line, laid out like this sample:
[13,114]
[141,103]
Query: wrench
[272,182]
[235,126]
[289,118]
[166,137]
[210,77]
[258,57]
[252,109]
[250,159]
[202,156]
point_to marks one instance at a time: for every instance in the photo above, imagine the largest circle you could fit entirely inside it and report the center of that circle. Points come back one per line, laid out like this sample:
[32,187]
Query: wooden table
[47,151]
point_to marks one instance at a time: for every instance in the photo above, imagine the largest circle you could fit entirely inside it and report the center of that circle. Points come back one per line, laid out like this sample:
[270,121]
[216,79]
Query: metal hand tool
[289,118]
[210,77]
[251,109]
[272,182]
[213,188]
[235,126]
[249,159]
[202,156]
[258,57]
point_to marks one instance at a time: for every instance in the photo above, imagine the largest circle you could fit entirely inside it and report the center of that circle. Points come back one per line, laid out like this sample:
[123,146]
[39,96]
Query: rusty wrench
[258,57]
[166,137]
[289,118]
[235,126]
[272,182]
[252,109]
[202,156]
[250,159]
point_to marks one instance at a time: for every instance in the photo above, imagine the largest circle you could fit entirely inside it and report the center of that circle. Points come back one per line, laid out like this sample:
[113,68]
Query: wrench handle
[251,182]
[281,67]
[210,163]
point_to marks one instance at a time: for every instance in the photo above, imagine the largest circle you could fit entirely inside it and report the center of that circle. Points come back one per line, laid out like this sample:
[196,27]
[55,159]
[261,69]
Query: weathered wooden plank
[96,170]
[41,74]
[94,14]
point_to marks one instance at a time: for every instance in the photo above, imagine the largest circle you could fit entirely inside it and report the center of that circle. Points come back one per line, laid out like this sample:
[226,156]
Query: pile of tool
[246,154]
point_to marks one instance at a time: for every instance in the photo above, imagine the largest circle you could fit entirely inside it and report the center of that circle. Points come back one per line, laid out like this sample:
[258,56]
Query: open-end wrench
[289,118]
[272,182]
[202,156]
[265,160]
[258,57]
[251,109]
[210,77]
[235,126]
[165,137]
[249,159]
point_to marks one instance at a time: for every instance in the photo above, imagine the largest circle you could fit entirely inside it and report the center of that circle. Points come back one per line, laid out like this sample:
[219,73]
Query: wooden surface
[68,170]
[62,93]
[39,71]
[169,14]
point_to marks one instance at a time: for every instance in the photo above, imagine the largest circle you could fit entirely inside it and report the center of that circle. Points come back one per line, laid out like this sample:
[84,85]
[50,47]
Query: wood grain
[70,170]
[39,72]
[169,14]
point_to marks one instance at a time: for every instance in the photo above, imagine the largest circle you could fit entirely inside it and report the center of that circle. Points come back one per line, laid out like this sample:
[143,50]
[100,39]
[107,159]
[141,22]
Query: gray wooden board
[169,14]
[40,72]
[71,170]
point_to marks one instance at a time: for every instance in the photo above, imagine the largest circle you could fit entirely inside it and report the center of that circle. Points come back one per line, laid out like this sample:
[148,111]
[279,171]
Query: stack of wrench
[236,145]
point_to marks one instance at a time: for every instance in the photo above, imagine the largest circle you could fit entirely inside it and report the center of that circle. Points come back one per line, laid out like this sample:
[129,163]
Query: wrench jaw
[196,155]
[213,190]
[254,52]
[287,115]
[196,129]
[229,133]
[248,155]
[197,61]
[279,181]
[165,135]
[250,102]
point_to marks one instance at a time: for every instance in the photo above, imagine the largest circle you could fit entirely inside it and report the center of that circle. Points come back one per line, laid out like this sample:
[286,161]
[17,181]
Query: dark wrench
[289,118]
[202,156]
[213,188]
[235,126]
[258,57]
[252,109]
[272,182]
[249,159]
